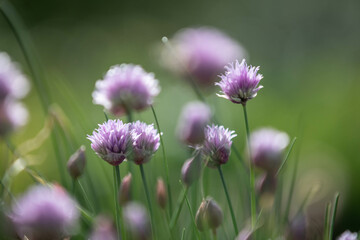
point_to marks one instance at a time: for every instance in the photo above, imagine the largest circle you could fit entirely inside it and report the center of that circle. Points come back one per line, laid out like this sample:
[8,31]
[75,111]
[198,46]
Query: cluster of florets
[126,88]
[115,141]
[13,87]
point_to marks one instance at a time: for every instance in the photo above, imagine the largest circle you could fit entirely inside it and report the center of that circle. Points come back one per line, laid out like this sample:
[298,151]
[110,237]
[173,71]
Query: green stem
[332,223]
[192,217]
[147,198]
[286,157]
[326,222]
[165,159]
[116,192]
[229,201]
[252,174]
[178,208]
[86,196]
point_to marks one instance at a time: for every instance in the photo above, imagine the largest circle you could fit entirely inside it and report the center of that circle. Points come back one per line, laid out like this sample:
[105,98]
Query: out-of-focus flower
[137,221]
[76,163]
[161,194]
[266,183]
[217,145]
[125,88]
[245,234]
[125,187]
[209,215]
[146,141]
[13,83]
[191,170]
[45,213]
[267,146]
[240,82]
[12,116]
[192,122]
[297,229]
[201,53]
[104,229]
[347,235]
[112,141]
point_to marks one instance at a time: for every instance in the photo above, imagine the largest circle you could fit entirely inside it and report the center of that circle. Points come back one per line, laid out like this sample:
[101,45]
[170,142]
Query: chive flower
[347,235]
[201,53]
[217,145]
[126,88]
[13,83]
[137,221]
[192,122]
[146,141]
[240,82]
[12,116]
[45,213]
[267,146]
[112,141]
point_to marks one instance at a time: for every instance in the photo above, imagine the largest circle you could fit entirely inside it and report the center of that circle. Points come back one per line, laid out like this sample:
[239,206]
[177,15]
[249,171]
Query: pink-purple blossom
[240,82]
[126,88]
[45,213]
[202,53]
[192,122]
[146,141]
[347,235]
[112,141]
[267,146]
[12,116]
[217,145]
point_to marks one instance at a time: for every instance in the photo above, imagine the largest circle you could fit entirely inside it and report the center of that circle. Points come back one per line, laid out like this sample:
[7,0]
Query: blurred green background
[309,53]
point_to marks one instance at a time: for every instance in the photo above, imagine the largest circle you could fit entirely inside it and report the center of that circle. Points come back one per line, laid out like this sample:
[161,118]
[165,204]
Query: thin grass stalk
[192,217]
[332,222]
[229,201]
[165,160]
[286,156]
[252,174]
[117,181]
[178,208]
[148,198]
[326,221]
[86,197]
[183,234]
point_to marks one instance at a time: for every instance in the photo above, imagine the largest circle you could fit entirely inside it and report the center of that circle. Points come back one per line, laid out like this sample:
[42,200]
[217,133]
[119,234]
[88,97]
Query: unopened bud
[266,183]
[191,170]
[125,190]
[76,163]
[161,194]
[209,215]
[137,221]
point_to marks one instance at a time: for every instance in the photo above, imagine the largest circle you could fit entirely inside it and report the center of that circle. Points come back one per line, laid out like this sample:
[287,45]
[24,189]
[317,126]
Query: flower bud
[266,183]
[191,170]
[77,162]
[209,215]
[161,195]
[137,221]
[125,190]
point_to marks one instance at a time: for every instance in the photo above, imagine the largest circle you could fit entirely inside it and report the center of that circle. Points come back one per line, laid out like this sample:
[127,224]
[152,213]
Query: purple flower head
[126,87]
[45,213]
[104,229]
[192,122]
[203,52]
[347,235]
[267,146]
[217,145]
[240,82]
[112,141]
[146,141]
[137,221]
[12,82]
[12,116]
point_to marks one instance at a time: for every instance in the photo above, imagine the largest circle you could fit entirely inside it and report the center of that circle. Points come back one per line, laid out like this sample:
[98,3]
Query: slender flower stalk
[117,181]
[331,230]
[178,208]
[165,160]
[147,197]
[252,174]
[228,200]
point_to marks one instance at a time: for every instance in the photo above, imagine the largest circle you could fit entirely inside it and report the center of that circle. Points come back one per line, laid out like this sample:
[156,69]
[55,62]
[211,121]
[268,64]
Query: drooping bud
[265,188]
[191,170]
[137,221]
[77,163]
[103,229]
[161,194]
[209,215]
[125,190]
